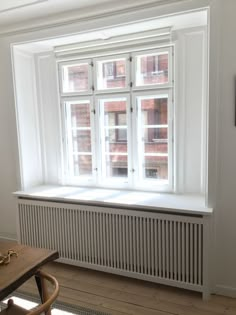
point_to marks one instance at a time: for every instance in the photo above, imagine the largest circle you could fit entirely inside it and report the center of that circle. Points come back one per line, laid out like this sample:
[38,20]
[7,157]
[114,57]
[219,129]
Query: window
[153,129]
[118,133]
[113,154]
[76,77]
[79,137]
[152,69]
[113,70]
[74,134]
[111,74]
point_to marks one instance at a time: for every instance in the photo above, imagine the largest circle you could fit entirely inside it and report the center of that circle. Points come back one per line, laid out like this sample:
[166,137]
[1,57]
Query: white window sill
[173,203]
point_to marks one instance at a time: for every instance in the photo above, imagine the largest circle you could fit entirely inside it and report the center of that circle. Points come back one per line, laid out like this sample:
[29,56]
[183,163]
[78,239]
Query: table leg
[42,292]
[39,286]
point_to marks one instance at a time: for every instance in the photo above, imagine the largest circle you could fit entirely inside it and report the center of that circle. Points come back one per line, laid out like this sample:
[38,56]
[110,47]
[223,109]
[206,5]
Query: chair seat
[47,298]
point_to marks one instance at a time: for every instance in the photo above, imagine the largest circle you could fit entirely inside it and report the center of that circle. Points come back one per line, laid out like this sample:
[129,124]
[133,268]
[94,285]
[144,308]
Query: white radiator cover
[164,248]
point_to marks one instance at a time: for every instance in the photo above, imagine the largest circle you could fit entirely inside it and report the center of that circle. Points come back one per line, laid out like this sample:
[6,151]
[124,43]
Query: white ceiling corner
[10,5]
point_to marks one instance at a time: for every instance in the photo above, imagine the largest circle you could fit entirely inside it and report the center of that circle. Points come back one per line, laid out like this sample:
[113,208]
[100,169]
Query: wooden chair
[47,299]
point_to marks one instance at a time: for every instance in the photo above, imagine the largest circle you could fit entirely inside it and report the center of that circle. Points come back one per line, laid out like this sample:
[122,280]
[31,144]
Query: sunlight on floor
[56,311]
[22,302]
[26,304]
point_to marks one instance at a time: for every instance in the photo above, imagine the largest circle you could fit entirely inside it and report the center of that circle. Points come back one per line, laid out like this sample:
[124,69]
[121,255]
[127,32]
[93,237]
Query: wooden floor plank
[124,296]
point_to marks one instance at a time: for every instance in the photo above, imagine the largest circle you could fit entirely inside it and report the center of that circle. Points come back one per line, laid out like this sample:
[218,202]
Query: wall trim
[8,237]
[225,291]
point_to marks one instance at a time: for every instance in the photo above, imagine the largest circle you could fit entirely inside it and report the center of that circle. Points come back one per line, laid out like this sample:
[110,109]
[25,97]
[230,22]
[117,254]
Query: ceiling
[26,13]
[34,6]
[14,11]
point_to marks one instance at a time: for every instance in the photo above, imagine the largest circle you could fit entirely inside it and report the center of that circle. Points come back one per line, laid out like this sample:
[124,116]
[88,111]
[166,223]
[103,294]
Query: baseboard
[225,291]
[5,237]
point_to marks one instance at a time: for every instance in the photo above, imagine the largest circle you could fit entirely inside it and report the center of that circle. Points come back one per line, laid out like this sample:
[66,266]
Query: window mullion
[93,117]
[69,139]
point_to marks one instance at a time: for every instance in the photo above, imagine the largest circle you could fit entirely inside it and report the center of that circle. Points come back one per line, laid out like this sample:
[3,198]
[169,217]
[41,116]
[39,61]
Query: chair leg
[39,286]
[43,293]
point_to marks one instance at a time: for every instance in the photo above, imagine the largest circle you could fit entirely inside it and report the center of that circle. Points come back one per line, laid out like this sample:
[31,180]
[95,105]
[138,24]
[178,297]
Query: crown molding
[59,20]
[16,7]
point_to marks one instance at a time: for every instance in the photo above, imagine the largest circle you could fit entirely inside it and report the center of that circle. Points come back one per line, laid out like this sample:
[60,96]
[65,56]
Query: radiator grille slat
[152,245]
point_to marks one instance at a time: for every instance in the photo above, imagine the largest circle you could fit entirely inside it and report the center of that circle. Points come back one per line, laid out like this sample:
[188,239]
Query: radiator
[163,248]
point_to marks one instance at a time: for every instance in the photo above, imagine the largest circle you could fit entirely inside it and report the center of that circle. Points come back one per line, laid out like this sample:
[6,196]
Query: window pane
[116,166]
[112,144]
[156,167]
[111,74]
[155,140]
[82,165]
[154,110]
[115,125]
[81,140]
[80,114]
[154,136]
[75,78]
[115,137]
[152,69]
[79,137]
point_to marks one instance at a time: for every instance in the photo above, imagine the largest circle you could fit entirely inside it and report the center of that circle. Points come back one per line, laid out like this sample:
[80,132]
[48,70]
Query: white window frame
[73,63]
[111,58]
[69,177]
[153,184]
[151,52]
[119,182]
[130,92]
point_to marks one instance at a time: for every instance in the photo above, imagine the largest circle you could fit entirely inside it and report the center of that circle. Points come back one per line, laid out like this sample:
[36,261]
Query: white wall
[225,258]
[222,132]
[8,143]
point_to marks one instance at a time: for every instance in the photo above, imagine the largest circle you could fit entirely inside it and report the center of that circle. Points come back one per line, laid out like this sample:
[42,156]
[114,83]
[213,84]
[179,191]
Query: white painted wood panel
[49,115]
[27,120]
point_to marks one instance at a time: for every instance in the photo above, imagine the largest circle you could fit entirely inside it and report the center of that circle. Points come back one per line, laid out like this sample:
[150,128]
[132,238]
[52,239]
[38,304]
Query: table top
[23,267]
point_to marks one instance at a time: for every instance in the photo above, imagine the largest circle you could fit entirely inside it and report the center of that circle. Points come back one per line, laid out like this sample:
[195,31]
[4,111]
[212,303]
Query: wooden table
[23,267]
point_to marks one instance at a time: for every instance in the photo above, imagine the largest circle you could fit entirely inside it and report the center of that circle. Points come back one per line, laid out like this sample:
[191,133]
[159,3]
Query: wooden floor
[119,295]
